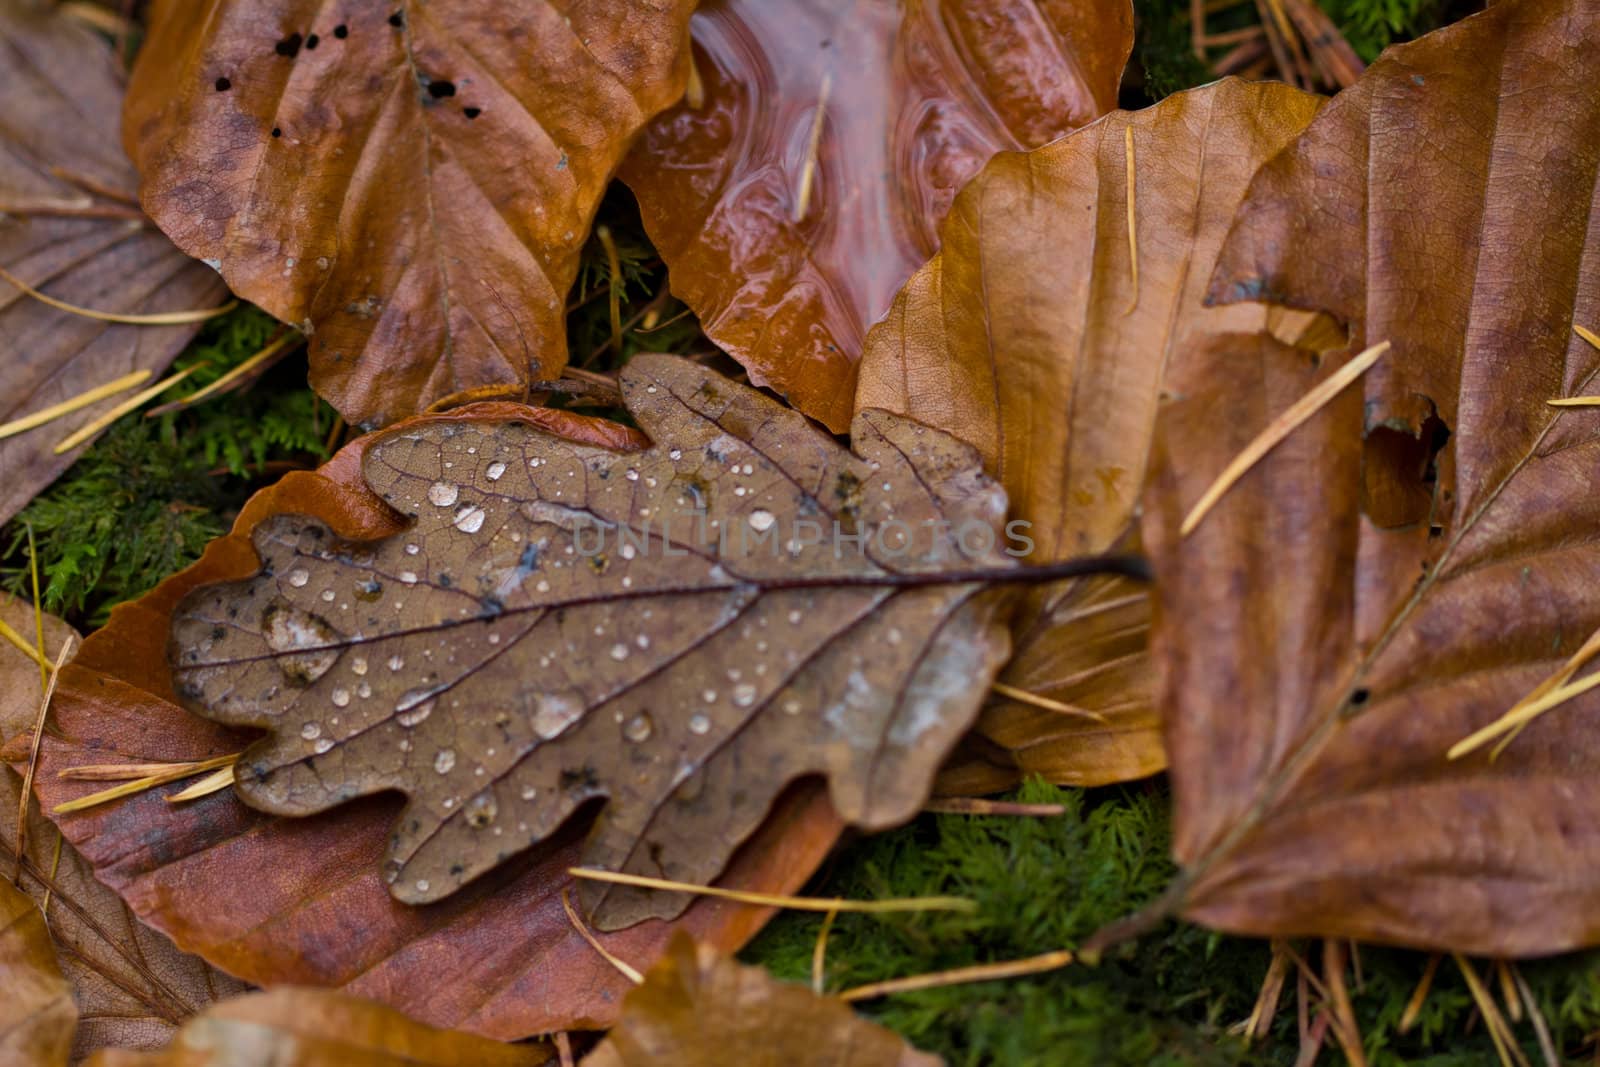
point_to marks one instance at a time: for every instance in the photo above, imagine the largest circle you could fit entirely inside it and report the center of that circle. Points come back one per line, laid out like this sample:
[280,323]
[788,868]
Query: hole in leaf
[223,85]
[440,89]
[289,47]
[471,112]
[1400,472]
[397,19]
[277,132]
[312,42]
[341,31]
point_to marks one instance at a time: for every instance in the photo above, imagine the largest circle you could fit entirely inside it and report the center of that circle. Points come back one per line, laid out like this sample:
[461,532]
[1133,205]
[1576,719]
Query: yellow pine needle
[22,643]
[773,900]
[694,93]
[819,953]
[38,609]
[1280,428]
[808,173]
[628,970]
[1419,996]
[160,318]
[1522,714]
[55,867]
[133,403]
[1505,1044]
[48,690]
[278,345]
[1023,696]
[173,773]
[1575,402]
[67,407]
[215,782]
[1508,991]
[975,806]
[983,972]
[1587,334]
[1133,225]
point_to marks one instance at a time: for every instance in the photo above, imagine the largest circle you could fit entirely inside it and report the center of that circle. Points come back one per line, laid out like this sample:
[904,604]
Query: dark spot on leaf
[1359,697]
[471,112]
[440,89]
[341,31]
[276,132]
[397,19]
[312,41]
[223,85]
[289,47]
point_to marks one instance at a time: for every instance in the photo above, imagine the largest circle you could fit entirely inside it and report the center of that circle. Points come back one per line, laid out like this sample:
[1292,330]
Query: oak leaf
[69,227]
[788,250]
[318,1028]
[413,182]
[1364,598]
[300,901]
[37,1014]
[1029,336]
[698,1008]
[131,985]
[683,631]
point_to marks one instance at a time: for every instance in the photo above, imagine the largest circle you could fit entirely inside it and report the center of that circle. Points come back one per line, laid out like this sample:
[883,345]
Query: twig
[1347,1033]
[49,690]
[984,972]
[773,900]
[1280,428]
[628,970]
[133,403]
[1541,1030]
[162,318]
[614,290]
[1266,1006]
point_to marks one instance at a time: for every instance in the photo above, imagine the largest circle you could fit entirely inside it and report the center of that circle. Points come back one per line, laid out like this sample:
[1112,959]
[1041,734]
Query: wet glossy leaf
[318,1028]
[683,631]
[1029,337]
[412,181]
[918,96]
[36,1013]
[1325,639]
[301,900]
[132,986]
[68,226]
[696,1007]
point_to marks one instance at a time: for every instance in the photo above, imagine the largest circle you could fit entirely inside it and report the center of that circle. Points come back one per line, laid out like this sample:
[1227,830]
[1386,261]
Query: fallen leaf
[696,1007]
[913,98]
[132,986]
[412,181]
[1028,336]
[680,630]
[318,1028]
[300,900]
[69,227]
[1324,639]
[36,1014]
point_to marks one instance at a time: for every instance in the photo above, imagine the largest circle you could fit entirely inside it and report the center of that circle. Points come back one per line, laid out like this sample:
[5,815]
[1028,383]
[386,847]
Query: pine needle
[694,93]
[38,606]
[161,318]
[1133,224]
[1023,696]
[1280,428]
[1505,1044]
[173,773]
[808,173]
[48,690]
[67,407]
[773,900]
[261,359]
[628,970]
[1541,1030]
[983,972]
[1266,1006]
[819,953]
[1588,335]
[1508,991]
[22,643]
[133,403]
[55,868]
[1419,996]
[1522,714]
[975,806]
[614,290]
[215,782]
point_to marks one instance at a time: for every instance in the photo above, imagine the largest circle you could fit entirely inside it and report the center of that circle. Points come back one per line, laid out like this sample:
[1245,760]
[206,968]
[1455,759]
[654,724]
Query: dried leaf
[696,1007]
[413,181]
[918,97]
[1029,336]
[1354,606]
[132,986]
[682,631]
[68,226]
[301,900]
[317,1028]
[37,1014]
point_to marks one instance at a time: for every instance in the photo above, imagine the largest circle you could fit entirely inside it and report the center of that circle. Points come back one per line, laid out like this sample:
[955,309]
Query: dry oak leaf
[37,1014]
[1324,639]
[699,1009]
[131,985]
[1028,336]
[792,202]
[301,901]
[70,228]
[317,1028]
[683,631]
[413,182]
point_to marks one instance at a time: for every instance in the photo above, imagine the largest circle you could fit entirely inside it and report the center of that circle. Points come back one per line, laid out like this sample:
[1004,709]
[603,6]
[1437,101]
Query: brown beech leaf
[412,181]
[683,631]
[318,1028]
[787,252]
[1027,336]
[696,1007]
[37,1014]
[69,227]
[301,901]
[1325,640]
[131,985]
